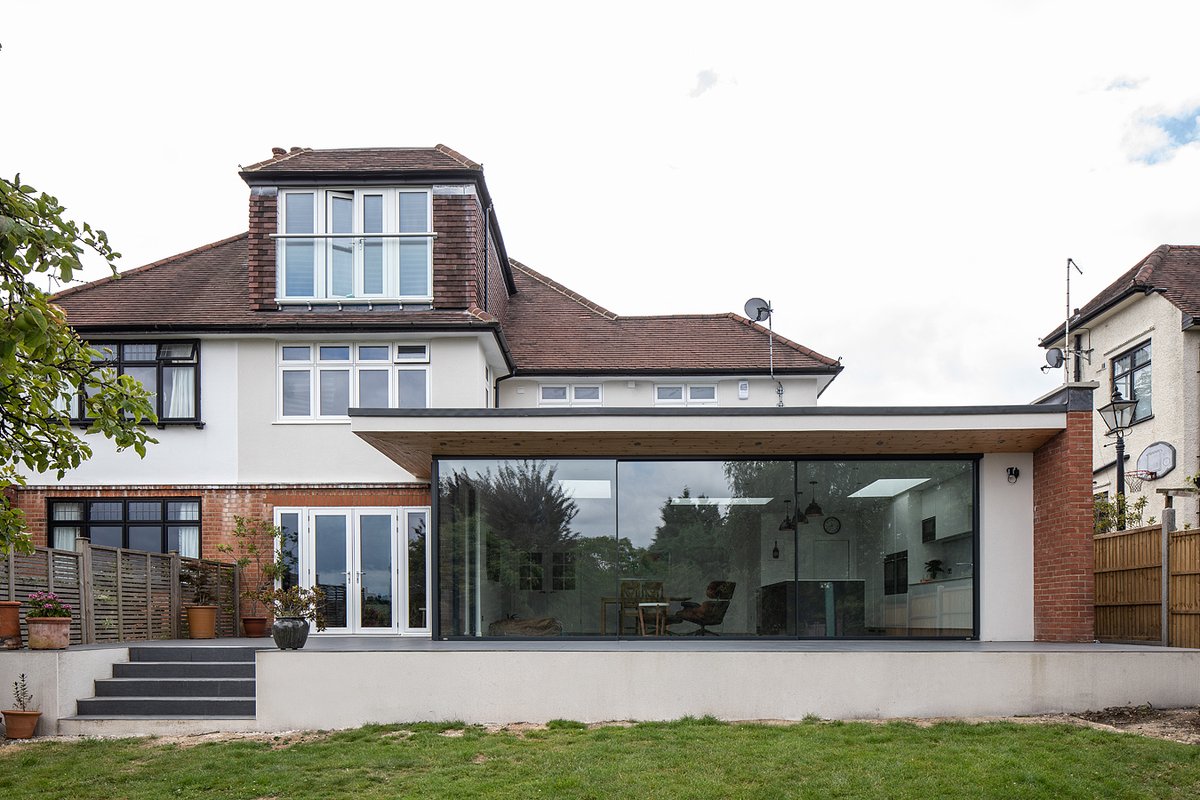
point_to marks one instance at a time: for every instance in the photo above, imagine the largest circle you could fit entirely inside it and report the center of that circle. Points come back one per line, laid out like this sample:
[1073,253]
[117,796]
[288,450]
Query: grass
[684,759]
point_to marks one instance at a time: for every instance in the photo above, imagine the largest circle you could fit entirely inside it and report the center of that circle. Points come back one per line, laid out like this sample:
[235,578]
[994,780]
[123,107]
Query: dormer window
[355,245]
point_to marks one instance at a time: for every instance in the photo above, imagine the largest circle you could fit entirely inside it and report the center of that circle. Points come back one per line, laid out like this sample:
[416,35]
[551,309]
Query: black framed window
[150,524]
[1131,376]
[170,371]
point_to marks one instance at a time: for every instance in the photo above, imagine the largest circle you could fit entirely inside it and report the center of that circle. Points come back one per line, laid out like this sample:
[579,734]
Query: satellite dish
[1054,357]
[758,309]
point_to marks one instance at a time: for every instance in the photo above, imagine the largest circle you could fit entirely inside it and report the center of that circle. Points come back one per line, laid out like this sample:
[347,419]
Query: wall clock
[832,525]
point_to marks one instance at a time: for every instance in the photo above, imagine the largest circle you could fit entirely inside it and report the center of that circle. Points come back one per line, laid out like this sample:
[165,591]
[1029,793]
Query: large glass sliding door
[819,548]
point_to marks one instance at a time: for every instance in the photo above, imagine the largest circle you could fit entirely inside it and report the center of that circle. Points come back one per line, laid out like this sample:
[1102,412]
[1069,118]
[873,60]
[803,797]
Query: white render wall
[639,392]
[1005,557]
[184,453]
[513,684]
[1175,384]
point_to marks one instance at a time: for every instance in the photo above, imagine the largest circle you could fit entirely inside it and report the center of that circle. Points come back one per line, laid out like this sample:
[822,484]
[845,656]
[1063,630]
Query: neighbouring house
[459,446]
[1141,336]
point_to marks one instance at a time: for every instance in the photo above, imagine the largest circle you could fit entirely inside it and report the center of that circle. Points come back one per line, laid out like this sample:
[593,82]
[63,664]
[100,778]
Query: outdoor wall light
[1013,474]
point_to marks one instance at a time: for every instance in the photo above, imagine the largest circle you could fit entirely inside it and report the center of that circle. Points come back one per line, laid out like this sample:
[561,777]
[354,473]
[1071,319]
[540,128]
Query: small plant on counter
[934,567]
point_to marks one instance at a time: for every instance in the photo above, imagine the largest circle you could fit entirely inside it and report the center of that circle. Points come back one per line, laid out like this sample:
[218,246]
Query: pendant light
[813,510]
[788,524]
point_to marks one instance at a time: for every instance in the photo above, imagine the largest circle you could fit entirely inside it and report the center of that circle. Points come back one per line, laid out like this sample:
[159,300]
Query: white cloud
[706,79]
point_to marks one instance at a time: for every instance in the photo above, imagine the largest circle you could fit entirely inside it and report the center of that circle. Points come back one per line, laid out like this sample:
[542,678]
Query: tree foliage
[44,364]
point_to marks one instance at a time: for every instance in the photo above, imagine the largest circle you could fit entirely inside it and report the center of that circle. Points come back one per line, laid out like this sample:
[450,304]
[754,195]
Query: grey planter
[290,633]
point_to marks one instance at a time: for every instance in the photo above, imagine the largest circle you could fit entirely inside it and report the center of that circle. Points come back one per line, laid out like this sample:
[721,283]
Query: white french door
[372,565]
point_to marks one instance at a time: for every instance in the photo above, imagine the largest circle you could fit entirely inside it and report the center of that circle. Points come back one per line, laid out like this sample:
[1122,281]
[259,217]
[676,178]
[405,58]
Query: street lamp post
[1118,416]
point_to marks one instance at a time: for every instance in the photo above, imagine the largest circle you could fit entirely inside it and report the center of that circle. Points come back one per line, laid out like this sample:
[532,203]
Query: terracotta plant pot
[10,624]
[20,724]
[202,622]
[254,626]
[49,633]
[290,633]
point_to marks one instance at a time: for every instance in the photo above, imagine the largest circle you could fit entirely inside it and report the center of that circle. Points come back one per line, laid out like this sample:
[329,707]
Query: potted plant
[933,568]
[49,620]
[22,720]
[10,624]
[201,613]
[294,609]
[260,562]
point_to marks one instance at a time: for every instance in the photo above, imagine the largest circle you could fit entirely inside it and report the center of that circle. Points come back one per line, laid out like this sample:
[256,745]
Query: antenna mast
[1067,348]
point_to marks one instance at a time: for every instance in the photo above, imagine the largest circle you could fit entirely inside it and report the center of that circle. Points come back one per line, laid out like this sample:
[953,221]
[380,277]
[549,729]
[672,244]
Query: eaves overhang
[413,438]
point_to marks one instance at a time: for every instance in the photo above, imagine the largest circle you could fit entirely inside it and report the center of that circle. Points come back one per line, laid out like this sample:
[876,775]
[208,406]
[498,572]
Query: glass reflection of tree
[416,574]
[692,538]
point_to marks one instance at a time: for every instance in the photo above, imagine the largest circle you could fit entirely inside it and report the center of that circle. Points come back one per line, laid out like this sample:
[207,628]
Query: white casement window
[685,394]
[570,394]
[355,245]
[323,381]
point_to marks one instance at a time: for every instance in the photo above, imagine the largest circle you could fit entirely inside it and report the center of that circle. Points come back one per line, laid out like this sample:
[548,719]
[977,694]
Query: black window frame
[1126,379]
[116,349]
[86,522]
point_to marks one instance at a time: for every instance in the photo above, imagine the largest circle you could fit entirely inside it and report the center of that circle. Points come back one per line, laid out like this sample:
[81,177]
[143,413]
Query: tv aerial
[758,310]
[1056,357]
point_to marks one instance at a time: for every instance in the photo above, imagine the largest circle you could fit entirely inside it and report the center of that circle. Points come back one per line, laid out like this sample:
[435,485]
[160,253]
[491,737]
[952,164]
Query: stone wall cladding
[456,251]
[220,504]
[261,250]
[1063,577]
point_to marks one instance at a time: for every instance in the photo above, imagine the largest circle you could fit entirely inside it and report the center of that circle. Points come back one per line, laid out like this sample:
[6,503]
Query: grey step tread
[157,706]
[159,716]
[184,669]
[175,687]
[183,653]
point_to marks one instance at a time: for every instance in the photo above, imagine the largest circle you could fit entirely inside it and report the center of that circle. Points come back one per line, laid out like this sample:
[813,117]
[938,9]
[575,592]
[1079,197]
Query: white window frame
[686,398]
[570,399]
[324,240]
[356,365]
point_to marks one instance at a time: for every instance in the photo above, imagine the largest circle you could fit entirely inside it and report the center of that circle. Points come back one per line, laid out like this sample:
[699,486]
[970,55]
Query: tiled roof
[1172,269]
[303,160]
[206,289]
[551,329]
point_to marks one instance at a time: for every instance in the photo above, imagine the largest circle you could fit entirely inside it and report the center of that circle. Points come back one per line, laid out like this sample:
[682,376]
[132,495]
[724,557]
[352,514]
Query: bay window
[355,244]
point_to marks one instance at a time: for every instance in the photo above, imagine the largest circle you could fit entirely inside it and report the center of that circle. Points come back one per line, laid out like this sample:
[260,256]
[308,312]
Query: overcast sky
[904,181]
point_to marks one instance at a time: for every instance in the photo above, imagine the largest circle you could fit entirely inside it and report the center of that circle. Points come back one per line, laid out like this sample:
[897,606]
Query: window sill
[160,425]
[351,301]
[345,421]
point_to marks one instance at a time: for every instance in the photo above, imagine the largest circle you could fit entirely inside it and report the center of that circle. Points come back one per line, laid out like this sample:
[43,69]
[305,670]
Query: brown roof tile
[1172,269]
[303,160]
[551,329]
[205,289]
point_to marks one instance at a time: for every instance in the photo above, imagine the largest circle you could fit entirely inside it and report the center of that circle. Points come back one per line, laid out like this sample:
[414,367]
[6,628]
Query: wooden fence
[122,595]
[1129,589]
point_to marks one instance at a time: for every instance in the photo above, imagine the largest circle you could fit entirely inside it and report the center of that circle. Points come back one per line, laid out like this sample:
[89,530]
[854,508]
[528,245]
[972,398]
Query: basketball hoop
[1135,478]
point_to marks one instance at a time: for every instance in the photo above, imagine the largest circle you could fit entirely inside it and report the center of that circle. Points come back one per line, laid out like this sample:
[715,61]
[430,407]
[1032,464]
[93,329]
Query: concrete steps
[170,688]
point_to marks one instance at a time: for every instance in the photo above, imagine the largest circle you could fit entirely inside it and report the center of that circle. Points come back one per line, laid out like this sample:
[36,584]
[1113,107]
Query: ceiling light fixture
[814,509]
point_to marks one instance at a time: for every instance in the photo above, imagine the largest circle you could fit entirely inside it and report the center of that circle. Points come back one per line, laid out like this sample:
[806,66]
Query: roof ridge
[274,159]
[1150,264]
[457,156]
[550,283]
[70,290]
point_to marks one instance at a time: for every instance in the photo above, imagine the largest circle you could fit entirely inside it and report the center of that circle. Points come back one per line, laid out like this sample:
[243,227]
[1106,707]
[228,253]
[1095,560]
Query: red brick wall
[261,250]
[1063,592]
[497,288]
[219,505]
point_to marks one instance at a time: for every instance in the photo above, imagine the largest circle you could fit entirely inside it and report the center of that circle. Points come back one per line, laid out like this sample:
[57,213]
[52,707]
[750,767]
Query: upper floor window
[569,395]
[1131,376]
[319,381]
[364,244]
[683,394]
[168,370]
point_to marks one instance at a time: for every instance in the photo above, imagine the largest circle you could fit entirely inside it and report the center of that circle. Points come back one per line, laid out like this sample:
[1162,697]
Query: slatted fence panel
[1184,583]
[44,570]
[222,583]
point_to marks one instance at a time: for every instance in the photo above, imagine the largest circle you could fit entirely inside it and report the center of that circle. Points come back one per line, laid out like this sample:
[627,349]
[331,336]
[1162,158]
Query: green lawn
[685,759]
